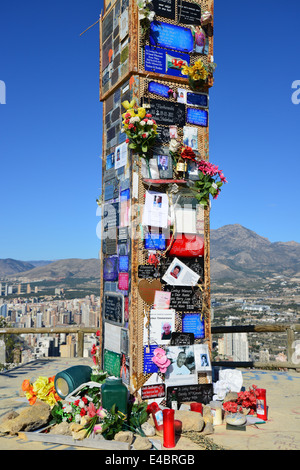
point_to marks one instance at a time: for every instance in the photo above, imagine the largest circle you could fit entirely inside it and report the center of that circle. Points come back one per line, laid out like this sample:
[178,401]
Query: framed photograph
[183,367]
[190,137]
[202,358]
[165,167]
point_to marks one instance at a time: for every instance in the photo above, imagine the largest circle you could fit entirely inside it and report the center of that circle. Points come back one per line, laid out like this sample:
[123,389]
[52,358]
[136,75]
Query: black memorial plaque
[114,308]
[167,113]
[146,271]
[182,339]
[184,298]
[200,393]
[188,13]
[164,8]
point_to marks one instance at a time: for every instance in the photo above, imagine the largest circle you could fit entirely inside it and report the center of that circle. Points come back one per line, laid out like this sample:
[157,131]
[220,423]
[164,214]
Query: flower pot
[196,84]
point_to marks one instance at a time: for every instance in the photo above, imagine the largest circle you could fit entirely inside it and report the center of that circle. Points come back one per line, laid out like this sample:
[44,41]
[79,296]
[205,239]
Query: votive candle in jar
[197,407]
[261,404]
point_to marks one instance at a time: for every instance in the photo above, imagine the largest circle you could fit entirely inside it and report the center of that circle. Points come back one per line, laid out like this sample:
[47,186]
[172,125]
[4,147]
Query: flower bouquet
[246,402]
[42,389]
[146,14]
[198,73]
[211,179]
[140,129]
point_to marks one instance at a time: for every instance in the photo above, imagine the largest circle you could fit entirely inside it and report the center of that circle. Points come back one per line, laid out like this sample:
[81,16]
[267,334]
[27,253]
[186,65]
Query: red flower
[187,152]
[76,402]
[98,333]
[85,400]
[82,412]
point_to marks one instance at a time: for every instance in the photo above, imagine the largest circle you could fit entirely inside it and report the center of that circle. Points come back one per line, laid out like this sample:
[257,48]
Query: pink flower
[101,412]
[92,410]
[98,428]
[160,360]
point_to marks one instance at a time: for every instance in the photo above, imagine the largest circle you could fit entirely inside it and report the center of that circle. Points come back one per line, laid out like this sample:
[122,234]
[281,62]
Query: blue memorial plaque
[171,36]
[149,366]
[198,117]
[165,62]
[123,264]
[110,269]
[158,89]
[191,323]
[197,99]
[155,241]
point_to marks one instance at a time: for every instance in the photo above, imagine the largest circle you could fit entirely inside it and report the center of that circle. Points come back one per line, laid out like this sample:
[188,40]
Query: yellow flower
[40,383]
[141,113]
[185,70]
[128,105]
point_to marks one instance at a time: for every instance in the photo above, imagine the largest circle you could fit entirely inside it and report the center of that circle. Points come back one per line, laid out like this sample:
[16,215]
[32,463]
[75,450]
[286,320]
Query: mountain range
[236,253]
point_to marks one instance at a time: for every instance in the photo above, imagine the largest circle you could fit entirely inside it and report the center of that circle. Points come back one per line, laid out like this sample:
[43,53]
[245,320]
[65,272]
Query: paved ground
[281,432]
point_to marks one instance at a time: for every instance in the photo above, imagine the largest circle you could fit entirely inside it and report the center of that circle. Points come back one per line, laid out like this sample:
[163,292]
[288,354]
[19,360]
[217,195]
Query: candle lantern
[261,404]
[68,380]
[169,428]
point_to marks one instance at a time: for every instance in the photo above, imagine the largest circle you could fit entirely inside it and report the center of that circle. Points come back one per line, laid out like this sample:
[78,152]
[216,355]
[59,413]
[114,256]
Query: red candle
[169,428]
[178,426]
[197,407]
[261,404]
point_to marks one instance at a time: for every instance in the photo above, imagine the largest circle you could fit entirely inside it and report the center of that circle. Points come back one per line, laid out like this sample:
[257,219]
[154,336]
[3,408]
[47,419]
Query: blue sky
[51,124]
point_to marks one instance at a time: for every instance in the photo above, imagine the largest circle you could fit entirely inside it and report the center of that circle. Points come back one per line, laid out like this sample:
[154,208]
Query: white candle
[217,419]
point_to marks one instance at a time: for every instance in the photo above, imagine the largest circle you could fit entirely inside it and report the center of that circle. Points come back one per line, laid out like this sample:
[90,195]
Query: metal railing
[289,329]
[79,331]
[293,362]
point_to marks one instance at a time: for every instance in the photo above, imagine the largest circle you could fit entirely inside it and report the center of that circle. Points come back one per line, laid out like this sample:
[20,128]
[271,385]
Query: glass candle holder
[197,407]
[169,428]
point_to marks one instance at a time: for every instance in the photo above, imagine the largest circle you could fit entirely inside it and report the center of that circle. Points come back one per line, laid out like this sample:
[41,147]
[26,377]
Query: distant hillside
[11,266]
[61,269]
[238,252]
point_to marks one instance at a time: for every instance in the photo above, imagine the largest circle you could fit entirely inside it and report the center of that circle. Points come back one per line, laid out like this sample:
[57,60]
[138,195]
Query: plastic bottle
[114,392]
[157,415]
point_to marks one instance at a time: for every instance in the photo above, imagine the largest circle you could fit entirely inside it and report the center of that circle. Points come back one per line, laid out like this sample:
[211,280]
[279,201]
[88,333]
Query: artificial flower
[160,360]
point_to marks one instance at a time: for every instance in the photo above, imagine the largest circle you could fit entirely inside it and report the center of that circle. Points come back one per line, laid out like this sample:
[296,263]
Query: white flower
[174,145]
[142,14]
[68,409]
[143,123]
[134,119]
[214,186]
[77,418]
[151,15]
[81,404]
[150,122]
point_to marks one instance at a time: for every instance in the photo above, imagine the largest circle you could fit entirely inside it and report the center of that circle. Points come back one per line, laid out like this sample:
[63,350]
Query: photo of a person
[179,368]
[157,202]
[176,272]
[118,155]
[166,331]
[204,361]
[162,162]
[199,40]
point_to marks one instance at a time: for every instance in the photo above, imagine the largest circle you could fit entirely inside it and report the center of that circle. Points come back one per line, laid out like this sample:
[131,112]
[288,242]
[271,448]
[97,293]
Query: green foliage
[112,423]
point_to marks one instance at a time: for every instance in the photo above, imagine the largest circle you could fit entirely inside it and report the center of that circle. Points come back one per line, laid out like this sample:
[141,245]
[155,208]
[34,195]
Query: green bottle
[114,392]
